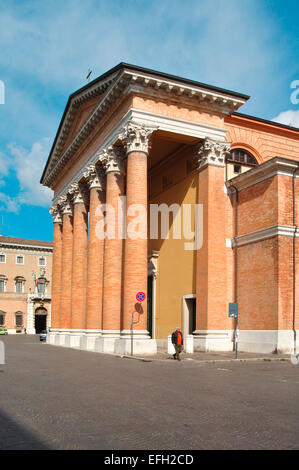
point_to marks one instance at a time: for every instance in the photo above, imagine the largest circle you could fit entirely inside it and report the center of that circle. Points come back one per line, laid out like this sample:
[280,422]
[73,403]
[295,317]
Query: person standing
[177,341]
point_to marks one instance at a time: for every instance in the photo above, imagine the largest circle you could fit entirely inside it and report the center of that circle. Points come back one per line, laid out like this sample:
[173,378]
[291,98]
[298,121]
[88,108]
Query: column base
[52,337]
[106,343]
[213,340]
[88,341]
[31,331]
[267,341]
[76,339]
[142,343]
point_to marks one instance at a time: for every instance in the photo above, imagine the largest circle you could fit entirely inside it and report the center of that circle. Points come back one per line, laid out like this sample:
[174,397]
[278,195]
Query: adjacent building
[198,204]
[25,285]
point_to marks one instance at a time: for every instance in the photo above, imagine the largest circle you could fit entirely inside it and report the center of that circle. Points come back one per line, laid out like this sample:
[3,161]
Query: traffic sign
[233,310]
[140,296]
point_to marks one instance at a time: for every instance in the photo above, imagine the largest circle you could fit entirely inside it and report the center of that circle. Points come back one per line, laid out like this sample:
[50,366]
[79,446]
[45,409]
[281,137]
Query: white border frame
[20,264]
[42,265]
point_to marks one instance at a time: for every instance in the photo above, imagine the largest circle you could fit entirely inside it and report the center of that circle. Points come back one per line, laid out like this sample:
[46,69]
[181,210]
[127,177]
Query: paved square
[56,398]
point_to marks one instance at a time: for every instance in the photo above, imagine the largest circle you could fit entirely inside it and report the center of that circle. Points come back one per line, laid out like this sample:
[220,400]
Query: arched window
[242,157]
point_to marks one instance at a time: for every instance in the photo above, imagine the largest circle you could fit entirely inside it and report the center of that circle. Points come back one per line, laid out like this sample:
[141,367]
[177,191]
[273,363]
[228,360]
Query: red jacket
[174,337]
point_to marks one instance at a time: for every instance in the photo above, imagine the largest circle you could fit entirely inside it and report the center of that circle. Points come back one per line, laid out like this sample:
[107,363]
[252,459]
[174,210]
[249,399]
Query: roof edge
[134,68]
[264,121]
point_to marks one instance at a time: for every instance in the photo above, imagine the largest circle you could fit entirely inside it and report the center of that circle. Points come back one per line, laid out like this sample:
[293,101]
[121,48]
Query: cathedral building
[161,186]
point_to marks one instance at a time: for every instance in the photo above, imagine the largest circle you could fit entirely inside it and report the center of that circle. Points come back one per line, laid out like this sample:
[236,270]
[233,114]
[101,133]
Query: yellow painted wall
[176,266]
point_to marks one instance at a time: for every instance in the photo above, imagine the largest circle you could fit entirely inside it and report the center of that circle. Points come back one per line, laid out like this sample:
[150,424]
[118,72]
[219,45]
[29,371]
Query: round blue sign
[140,296]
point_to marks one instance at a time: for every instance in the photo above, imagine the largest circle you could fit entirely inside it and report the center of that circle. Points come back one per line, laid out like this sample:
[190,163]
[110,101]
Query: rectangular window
[19,287]
[42,262]
[2,319]
[20,259]
[237,168]
[2,259]
[2,286]
[19,320]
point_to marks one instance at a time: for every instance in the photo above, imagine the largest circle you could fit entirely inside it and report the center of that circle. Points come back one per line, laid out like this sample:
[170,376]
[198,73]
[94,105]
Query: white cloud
[206,40]
[47,48]
[4,164]
[290,118]
[27,167]
[9,204]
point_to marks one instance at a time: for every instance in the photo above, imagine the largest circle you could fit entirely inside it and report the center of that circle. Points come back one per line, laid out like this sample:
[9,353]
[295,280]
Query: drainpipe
[236,251]
[236,259]
[294,259]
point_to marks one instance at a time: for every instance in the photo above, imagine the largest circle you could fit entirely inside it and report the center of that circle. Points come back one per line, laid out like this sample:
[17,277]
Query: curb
[209,361]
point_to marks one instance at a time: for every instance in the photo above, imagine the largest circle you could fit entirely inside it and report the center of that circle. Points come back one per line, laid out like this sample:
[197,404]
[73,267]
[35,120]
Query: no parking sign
[140,296]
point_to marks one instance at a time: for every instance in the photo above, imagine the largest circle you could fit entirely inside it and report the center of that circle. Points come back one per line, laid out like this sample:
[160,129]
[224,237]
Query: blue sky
[250,46]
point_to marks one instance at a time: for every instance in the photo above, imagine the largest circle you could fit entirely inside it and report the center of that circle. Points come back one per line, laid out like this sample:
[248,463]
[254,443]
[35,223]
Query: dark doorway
[40,319]
[40,322]
[191,322]
[150,305]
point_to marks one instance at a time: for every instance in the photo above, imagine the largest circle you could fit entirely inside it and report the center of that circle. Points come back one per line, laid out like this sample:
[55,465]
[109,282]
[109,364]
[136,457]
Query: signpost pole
[132,326]
[140,297]
[237,336]
[233,312]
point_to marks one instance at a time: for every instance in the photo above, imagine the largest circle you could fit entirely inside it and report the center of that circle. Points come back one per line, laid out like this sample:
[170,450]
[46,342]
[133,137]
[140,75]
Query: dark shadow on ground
[14,436]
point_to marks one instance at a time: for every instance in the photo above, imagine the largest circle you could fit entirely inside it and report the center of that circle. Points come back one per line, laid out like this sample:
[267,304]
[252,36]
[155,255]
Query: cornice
[126,82]
[270,232]
[157,121]
[273,167]
[16,248]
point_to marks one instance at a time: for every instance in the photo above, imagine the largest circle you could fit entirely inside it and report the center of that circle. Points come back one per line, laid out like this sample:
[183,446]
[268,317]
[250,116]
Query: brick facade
[164,140]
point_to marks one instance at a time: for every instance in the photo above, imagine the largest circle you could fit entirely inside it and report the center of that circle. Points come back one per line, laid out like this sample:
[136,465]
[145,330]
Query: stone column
[212,323]
[65,317]
[136,140]
[30,316]
[95,261]
[79,265]
[112,160]
[56,271]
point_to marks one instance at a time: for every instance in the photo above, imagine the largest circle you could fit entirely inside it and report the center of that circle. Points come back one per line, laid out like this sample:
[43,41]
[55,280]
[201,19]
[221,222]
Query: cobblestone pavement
[56,398]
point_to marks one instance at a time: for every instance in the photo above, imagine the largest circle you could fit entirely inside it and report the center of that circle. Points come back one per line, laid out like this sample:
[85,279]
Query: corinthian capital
[95,177]
[112,159]
[64,205]
[136,137]
[56,216]
[78,193]
[211,152]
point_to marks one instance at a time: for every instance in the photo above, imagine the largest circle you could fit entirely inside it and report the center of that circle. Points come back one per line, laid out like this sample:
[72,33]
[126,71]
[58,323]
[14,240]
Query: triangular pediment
[81,114]
[87,106]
